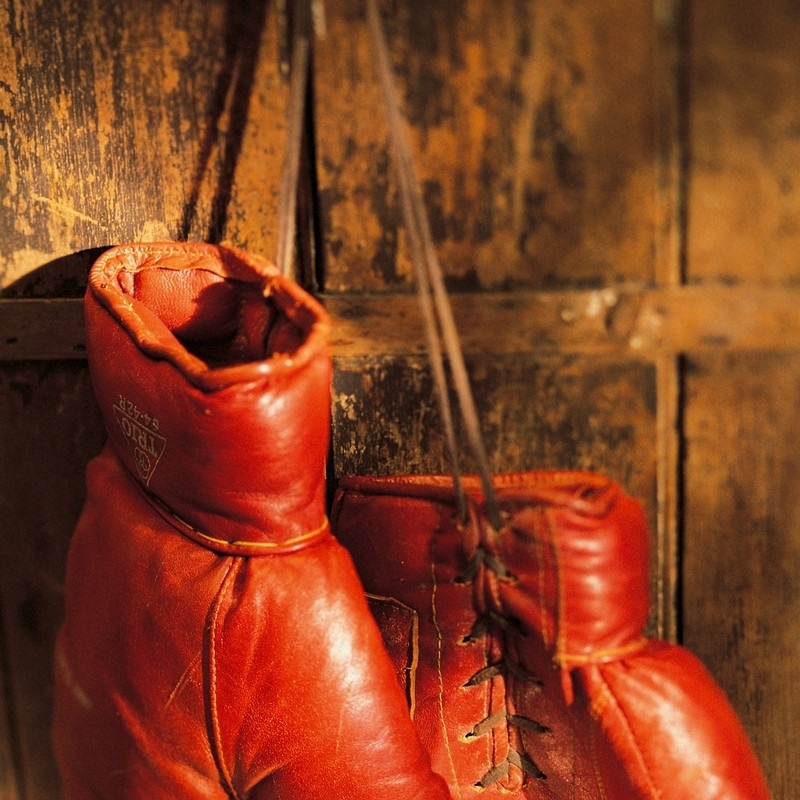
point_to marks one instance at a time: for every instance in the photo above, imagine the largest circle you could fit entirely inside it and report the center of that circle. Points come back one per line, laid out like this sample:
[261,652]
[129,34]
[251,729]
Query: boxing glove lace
[521,650]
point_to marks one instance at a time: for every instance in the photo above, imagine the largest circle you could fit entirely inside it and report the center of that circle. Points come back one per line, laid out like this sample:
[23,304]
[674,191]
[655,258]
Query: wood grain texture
[49,428]
[580,161]
[641,324]
[135,121]
[743,189]
[741,547]
[533,141]
[9,751]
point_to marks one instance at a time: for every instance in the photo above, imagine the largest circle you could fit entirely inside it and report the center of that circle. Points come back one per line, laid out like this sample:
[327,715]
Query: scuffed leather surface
[216,640]
[521,651]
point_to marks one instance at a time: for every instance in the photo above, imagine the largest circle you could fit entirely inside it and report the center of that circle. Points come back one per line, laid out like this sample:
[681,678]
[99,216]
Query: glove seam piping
[440,675]
[235,547]
[216,728]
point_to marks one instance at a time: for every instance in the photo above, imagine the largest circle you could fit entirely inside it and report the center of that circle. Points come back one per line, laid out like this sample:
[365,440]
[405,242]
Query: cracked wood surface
[614,193]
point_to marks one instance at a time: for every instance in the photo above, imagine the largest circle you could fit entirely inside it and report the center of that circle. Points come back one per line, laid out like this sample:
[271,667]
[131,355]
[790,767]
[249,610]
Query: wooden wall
[615,196]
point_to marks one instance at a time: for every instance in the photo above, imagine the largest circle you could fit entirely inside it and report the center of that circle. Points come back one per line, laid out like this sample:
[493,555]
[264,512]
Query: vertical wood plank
[742,545]
[532,138]
[9,758]
[49,428]
[668,272]
[744,141]
[127,121]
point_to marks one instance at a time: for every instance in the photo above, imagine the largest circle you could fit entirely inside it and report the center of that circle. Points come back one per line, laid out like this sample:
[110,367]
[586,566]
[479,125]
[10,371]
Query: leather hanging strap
[440,327]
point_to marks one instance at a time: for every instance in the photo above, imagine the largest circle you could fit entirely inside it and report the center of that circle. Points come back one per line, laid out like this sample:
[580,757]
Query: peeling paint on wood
[743,189]
[533,141]
[537,412]
[135,121]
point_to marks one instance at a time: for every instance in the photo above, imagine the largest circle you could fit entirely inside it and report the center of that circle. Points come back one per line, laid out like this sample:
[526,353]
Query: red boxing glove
[216,642]
[521,650]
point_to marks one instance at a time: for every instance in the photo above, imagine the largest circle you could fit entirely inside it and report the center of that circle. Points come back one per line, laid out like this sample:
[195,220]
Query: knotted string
[440,327]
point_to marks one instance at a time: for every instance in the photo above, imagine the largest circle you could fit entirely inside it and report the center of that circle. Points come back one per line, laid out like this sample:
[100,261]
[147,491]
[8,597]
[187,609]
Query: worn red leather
[522,651]
[216,641]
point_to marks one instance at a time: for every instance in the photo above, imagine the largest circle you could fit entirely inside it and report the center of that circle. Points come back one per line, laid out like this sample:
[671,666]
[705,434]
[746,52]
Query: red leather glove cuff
[212,353]
[588,593]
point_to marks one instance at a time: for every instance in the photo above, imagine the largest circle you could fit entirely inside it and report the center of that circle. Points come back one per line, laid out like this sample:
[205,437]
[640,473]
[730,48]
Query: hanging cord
[287,196]
[434,303]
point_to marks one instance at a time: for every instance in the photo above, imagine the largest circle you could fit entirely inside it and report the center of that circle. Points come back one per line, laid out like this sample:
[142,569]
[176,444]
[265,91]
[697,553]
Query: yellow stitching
[412,676]
[559,633]
[600,702]
[169,514]
[435,621]
[595,761]
[412,669]
[184,679]
[573,659]
[536,540]
[257,545]
[212,669]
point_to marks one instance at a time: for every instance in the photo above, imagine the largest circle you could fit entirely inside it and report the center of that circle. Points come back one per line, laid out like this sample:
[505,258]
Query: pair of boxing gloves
[220,642]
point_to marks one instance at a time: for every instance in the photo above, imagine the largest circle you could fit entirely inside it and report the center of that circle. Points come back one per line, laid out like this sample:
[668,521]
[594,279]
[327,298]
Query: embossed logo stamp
[141,433]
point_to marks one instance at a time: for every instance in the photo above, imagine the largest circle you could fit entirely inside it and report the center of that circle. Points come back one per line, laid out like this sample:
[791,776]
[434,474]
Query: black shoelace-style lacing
[499,631]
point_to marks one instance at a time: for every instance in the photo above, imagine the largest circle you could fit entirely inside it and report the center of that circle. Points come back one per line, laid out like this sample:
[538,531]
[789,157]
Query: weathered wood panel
[9,758]
[743,188]
[550,139]
[741,544]
[144,120]
[533,140]
[623,322]
[49,428]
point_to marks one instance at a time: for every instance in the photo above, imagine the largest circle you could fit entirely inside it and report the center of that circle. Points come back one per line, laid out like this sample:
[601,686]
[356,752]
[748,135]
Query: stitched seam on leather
[216,743]
[609,696]
[560,633]
[440,676]
[536,541]
[422,486]
[186,529]
[606,654]
[595,761]
[295,540]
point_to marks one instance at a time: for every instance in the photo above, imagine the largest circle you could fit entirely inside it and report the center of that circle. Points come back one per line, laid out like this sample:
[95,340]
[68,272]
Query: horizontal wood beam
[624,321]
